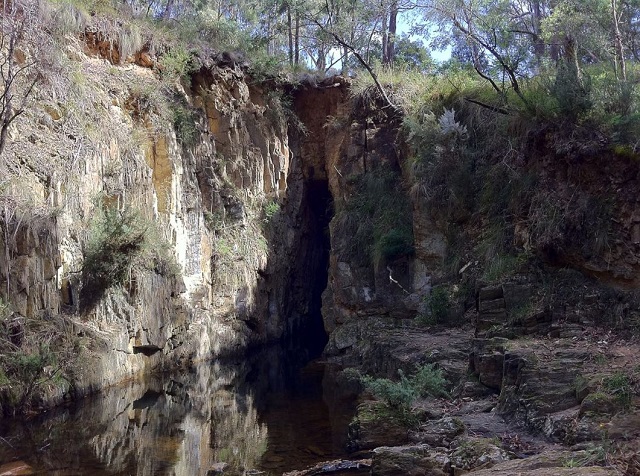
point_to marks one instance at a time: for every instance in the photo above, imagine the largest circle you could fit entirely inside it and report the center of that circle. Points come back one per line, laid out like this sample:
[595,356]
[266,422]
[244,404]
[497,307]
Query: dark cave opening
[316,243]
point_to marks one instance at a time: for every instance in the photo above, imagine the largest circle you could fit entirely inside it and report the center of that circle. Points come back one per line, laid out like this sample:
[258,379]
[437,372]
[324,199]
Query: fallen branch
[499,110]
[394,281]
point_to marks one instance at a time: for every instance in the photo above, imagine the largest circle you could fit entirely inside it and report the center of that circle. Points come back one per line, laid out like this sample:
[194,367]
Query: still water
[263,415]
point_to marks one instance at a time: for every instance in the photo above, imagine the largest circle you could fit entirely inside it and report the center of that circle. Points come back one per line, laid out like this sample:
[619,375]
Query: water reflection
[262,414]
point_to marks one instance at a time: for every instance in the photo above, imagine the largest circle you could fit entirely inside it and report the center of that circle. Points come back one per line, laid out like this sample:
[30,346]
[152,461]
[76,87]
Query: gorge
[165,220]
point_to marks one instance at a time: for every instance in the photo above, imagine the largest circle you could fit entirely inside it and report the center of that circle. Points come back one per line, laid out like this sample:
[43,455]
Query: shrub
[116,237]
[572,92]
[5,310]
[177,63]
[185,120]
[271,209]
[562,221]
[378,217]
[146,100]
[436,307]
[395,394]
[619,385]
[393,244]
[443,165]
[121,242]
[23,372]
[429,380]
[426,381]
[501,266]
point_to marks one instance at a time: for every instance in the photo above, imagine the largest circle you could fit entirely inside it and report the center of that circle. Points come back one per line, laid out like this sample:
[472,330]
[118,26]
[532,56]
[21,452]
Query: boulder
[477,453]
[409,461]
[438,433]
[375,425]
[551,463]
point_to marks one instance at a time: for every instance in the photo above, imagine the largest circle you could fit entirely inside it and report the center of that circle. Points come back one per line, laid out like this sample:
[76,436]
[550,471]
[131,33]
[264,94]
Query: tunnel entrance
[314,271]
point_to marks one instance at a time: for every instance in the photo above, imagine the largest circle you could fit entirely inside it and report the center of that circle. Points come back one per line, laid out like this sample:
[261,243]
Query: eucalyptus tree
[497,33]
[629,24]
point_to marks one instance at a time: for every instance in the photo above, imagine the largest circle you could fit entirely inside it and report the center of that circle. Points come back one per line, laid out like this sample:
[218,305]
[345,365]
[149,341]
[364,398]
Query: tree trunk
[290,33]
[296,53]
[571,60]
[619,61]
[385,36]
[345,60]
[538,42]
[167,9]
[391,37]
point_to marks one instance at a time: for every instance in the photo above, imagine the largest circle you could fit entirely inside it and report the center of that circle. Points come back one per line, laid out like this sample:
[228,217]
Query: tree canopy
[506,42]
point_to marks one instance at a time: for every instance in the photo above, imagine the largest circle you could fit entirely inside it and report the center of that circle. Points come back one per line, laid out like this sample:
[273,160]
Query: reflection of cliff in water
[257,414]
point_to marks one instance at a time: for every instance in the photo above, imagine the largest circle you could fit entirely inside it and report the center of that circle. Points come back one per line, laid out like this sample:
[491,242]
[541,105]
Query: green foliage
[177,63]
[426,381]
[429,381]
[437,306]
[5,310]
[34,355]
[501,266]
[378,217]
[146,99]
[572,92]
[185,120]
[64,18]
[596,455]
[393,244]
[23,372]
[620,386]
[27,368]
[561,220]
[223,248]
[271,209]
[116,238]
[121,242]
[214,221]
[280,108]
[412,55]
[443,165]
[130,40]
[395,394]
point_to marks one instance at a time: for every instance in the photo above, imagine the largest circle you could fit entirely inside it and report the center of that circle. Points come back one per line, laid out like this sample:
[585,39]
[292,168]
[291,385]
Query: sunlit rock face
[198,160]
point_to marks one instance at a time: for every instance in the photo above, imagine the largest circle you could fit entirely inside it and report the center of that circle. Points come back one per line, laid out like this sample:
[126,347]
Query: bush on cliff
[437,306]
[378,217]
[121,242]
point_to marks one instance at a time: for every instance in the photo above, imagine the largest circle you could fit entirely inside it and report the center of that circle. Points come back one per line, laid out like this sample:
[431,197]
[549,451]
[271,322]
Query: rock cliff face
[384,251]
[219,186]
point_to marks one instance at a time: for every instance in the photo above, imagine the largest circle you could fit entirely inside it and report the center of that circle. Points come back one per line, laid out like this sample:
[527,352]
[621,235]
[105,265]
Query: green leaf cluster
[427,381]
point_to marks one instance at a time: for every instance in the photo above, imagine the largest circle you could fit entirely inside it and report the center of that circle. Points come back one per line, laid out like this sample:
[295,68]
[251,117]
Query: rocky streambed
[563,403]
